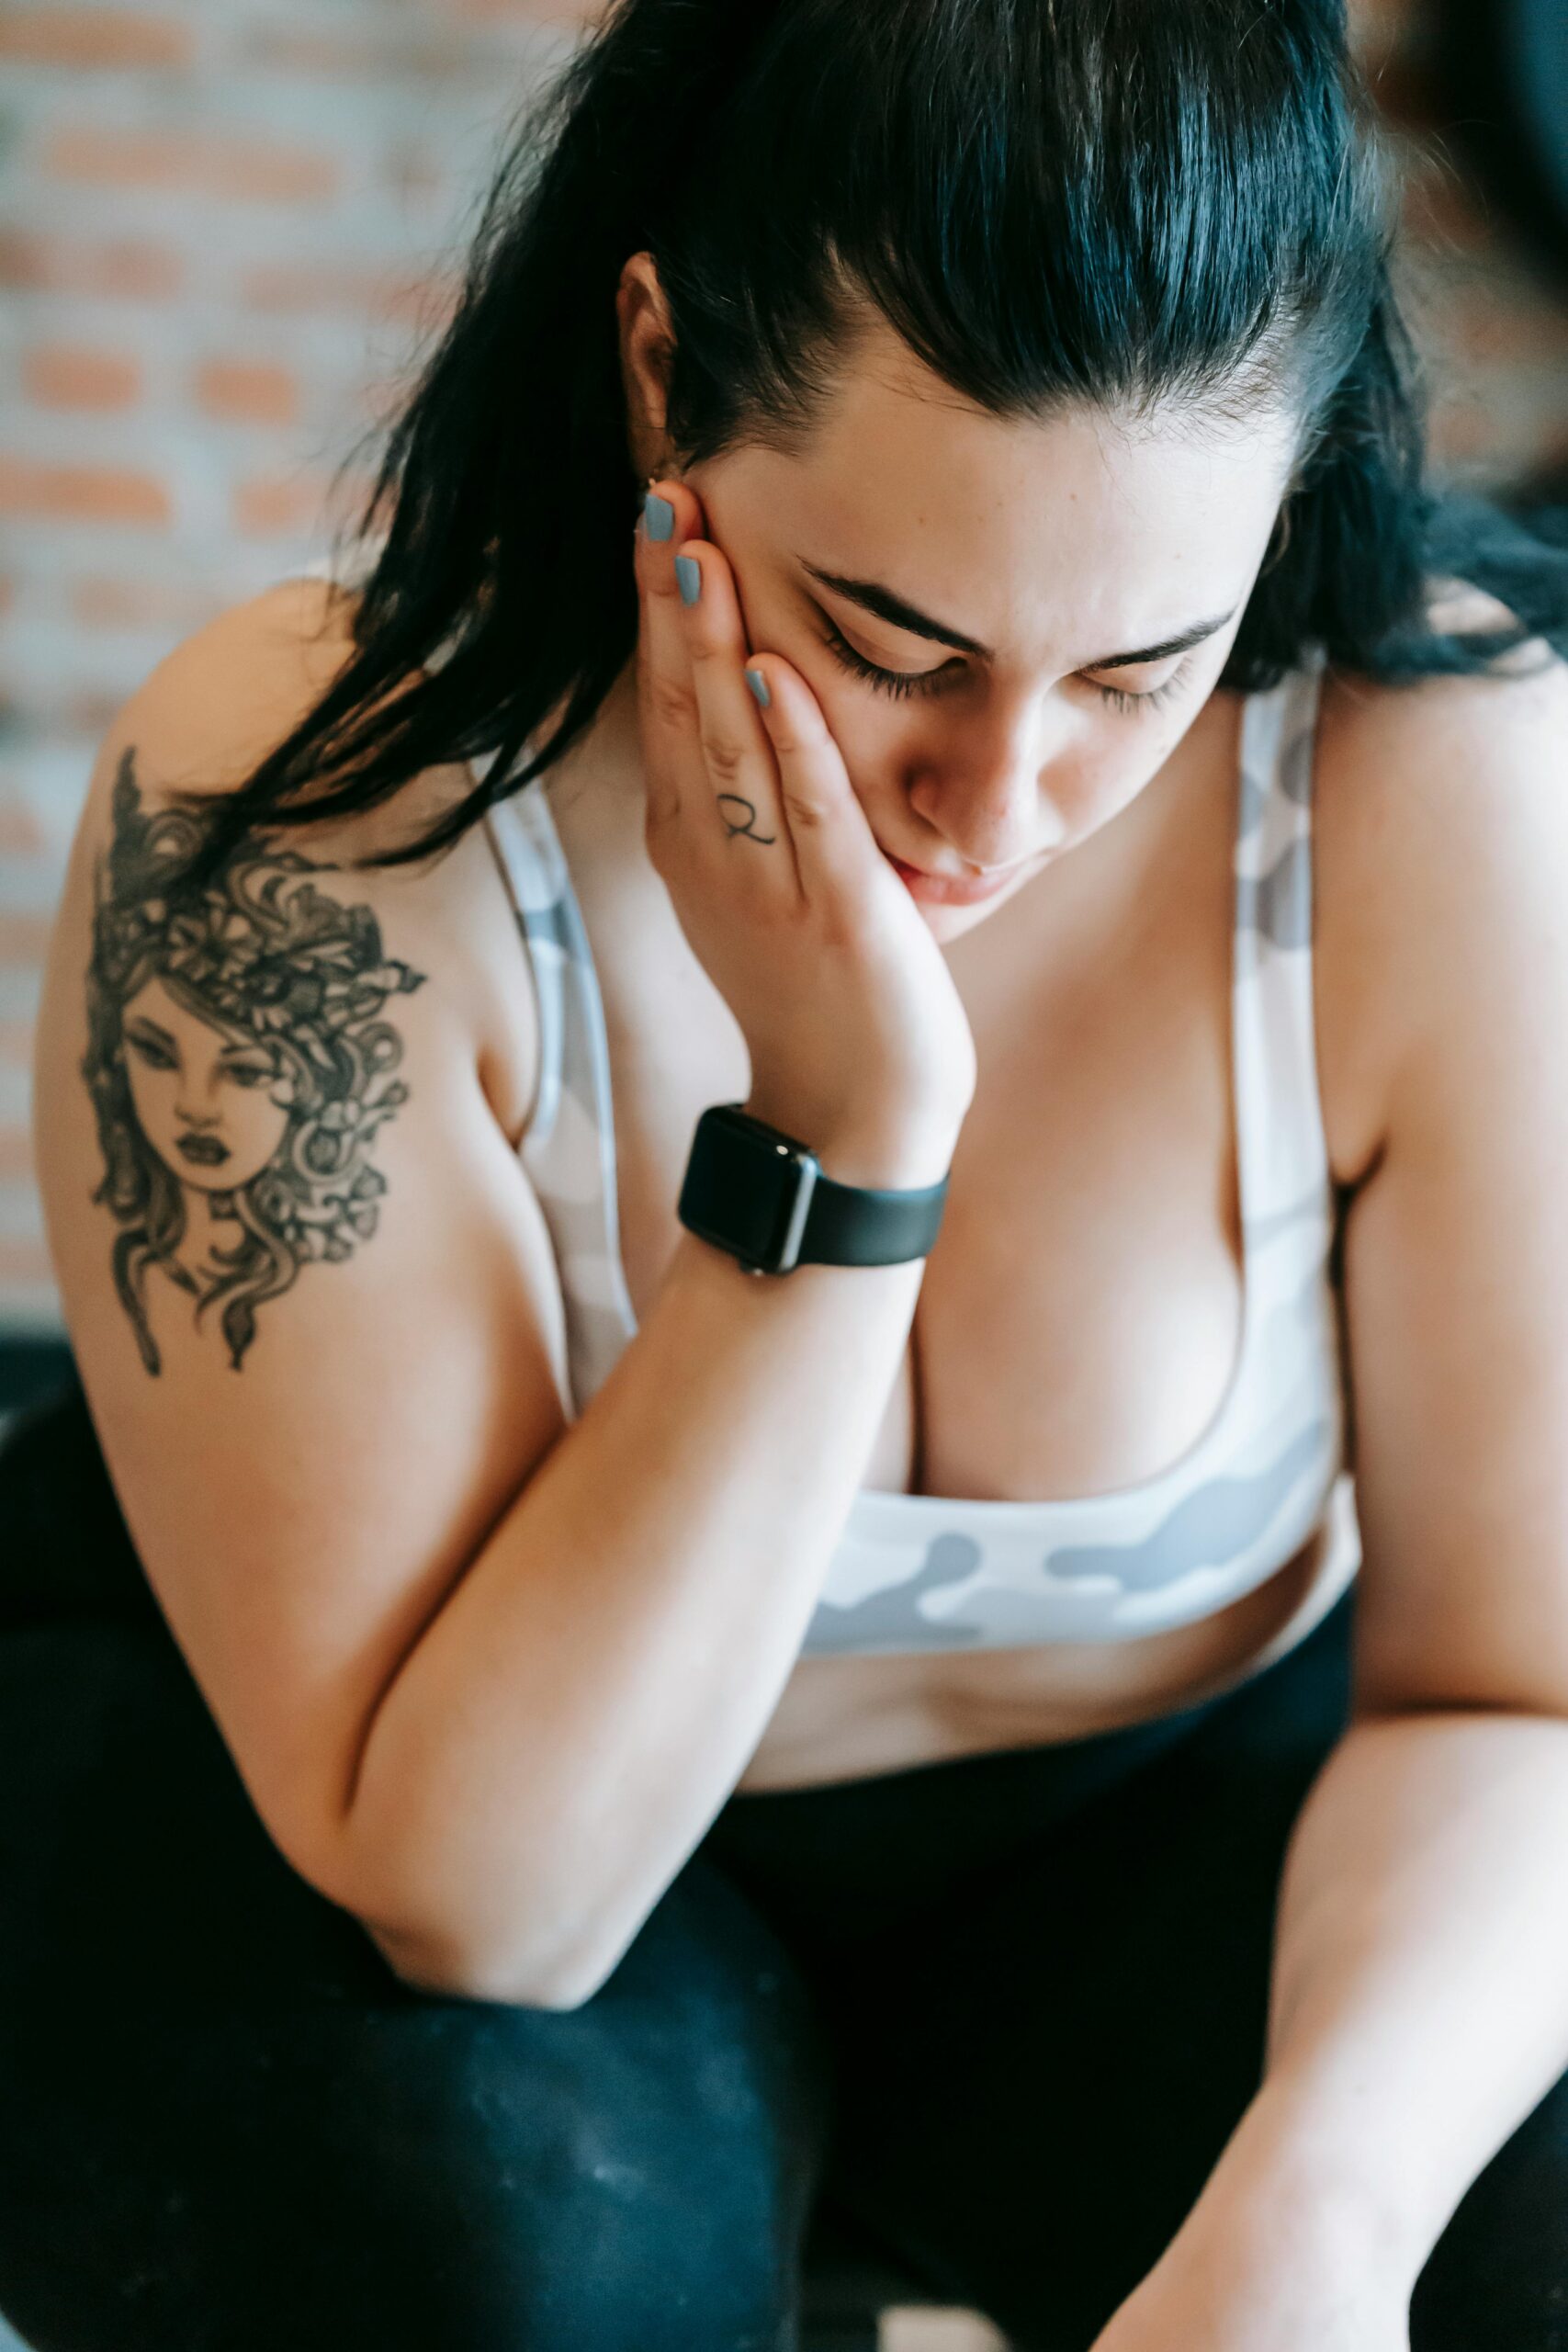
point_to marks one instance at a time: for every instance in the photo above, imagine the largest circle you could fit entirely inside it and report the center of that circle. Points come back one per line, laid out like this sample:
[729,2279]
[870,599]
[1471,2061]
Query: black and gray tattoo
[239,1063]
[746,831]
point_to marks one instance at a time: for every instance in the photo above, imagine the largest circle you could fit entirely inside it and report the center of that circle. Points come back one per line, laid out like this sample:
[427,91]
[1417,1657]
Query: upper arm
[1456,1245]
[307,1283]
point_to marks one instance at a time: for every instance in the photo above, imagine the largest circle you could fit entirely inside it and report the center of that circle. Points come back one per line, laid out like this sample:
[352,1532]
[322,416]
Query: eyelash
[901,683]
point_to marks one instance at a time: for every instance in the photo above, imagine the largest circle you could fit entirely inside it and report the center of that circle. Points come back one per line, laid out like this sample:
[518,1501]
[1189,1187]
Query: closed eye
[902,683]
[898,683]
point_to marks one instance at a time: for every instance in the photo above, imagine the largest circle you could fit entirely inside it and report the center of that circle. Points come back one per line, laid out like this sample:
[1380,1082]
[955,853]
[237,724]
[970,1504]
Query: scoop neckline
[892,1502]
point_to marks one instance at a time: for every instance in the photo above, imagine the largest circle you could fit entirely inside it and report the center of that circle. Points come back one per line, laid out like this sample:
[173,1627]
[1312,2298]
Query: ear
[648,343]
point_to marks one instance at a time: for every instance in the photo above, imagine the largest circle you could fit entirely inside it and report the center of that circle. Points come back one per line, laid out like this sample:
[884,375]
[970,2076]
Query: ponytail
[502,511]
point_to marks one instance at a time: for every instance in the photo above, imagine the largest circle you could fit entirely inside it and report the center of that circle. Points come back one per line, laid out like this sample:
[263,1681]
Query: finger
[737,754]
[836,853]
[666,698]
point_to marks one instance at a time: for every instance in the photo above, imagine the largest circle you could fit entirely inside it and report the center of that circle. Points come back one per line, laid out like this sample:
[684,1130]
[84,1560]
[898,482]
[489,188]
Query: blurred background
[227,226]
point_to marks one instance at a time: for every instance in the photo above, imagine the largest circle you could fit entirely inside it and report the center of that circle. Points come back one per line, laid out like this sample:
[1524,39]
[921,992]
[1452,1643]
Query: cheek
[1109,763]
[875,734]
[151,1092]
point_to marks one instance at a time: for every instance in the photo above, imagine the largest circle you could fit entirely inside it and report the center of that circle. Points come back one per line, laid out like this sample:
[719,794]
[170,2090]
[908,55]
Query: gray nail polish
[659,514]
[759,685]
[688,578]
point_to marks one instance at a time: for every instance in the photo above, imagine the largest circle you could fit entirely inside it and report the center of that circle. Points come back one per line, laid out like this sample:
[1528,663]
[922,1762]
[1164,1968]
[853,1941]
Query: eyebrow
[144,1021]
[872,597]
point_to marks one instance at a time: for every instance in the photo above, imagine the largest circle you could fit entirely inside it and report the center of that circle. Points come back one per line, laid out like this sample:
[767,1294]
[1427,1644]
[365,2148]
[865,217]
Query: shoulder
[226,696]
[1440,828]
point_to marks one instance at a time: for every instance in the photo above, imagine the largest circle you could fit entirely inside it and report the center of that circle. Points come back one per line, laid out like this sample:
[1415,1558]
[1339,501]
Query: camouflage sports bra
[1270,1474]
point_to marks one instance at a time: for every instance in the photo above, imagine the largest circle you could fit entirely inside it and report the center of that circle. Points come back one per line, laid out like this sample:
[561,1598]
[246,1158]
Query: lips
[943,891]
[206,1150]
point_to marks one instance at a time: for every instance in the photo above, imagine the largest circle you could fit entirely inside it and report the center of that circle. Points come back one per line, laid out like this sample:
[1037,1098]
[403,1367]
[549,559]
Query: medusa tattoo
[239,1065]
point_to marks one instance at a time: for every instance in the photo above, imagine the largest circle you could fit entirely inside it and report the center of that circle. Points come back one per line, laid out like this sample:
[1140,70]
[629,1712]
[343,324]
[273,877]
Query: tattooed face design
[212,1102]
[240,1063]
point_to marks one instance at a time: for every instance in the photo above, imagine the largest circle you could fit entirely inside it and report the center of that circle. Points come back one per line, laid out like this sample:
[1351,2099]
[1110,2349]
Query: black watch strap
[763,1195]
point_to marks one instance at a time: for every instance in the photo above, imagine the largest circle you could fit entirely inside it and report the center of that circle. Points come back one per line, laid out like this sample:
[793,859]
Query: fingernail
[759,686]
[688,578]
[659,514]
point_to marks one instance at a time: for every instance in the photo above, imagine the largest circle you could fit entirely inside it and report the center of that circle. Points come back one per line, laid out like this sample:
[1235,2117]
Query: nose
[194,1097]
[990,797]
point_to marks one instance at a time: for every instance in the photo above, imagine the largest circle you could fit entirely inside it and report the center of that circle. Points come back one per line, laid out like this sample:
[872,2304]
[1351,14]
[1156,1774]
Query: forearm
[1420,2001]
[565,1728]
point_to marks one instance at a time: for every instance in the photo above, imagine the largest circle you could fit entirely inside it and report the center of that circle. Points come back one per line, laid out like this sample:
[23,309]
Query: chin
[948,923]
[948,919]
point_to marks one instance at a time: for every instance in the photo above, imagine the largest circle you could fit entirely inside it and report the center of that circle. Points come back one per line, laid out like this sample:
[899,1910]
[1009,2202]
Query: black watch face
[742,1185]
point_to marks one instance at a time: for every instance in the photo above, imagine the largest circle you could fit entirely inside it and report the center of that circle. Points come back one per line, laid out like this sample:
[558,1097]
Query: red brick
[17,1044]
[88,714]
[247,391]
[22,835]
[208,164]
[299,499]
[422,303]
[573,15]
[103,600]
[67,375]
[24,938]
[24,1259]
[400,295]
[17,1154]
[83,493]
[415,174]
[358,57]
[275,506]
[93,38]
[129,269]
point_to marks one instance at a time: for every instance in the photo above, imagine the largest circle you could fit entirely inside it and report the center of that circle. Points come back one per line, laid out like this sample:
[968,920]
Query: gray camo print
[892,1620]
[1215,1521]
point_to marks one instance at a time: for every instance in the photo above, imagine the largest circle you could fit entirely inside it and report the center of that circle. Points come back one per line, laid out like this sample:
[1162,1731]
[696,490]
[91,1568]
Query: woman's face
[1051,602]
[212,1105]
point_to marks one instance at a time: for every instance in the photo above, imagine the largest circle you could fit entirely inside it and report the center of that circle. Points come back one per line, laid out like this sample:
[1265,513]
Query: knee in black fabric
[416,2172]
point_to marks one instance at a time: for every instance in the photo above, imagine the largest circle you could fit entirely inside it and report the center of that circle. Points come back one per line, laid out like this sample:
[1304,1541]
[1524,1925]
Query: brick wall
[223,223]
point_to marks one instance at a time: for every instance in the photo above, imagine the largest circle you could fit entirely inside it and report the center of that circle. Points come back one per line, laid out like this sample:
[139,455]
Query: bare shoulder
[230,692]
[308,1282]
[1441,808]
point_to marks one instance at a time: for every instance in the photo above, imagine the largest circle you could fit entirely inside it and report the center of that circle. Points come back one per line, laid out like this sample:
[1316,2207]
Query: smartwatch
[762,1195]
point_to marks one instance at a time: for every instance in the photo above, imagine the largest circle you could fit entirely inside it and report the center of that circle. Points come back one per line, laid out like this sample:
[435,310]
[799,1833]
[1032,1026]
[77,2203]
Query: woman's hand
[859,1042]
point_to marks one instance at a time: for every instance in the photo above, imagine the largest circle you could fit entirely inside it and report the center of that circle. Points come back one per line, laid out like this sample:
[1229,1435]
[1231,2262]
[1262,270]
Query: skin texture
[1059,546]
[240,1063]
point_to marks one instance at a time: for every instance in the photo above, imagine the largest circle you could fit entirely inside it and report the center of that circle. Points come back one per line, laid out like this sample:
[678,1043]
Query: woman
[566,1749]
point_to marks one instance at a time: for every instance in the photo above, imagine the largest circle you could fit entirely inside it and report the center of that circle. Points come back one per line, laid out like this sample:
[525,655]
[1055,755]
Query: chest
[1082,1310]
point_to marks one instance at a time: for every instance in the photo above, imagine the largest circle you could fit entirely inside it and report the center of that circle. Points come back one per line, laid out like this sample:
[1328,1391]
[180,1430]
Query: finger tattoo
[765,838]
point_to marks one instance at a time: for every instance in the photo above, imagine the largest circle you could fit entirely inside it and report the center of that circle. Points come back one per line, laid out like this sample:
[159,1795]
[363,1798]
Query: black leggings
[1004,2012]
